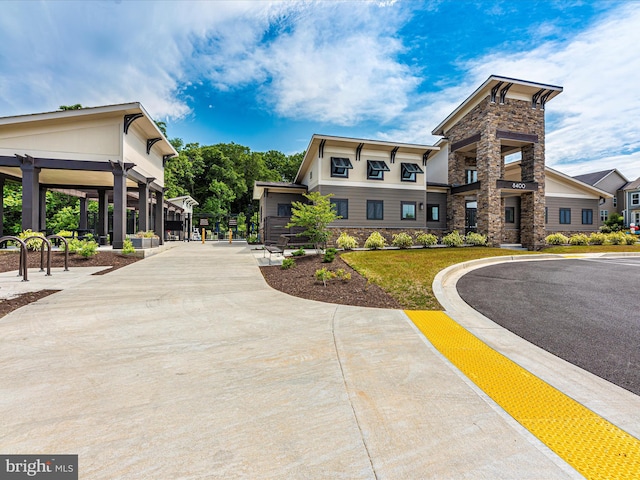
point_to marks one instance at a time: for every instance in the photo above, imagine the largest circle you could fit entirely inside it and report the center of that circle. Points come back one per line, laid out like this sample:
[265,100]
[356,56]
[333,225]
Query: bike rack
[66,250]
[44,241]
[23,254]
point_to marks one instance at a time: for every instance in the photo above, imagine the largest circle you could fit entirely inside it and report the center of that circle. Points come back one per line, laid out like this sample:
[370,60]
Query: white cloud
[593,124]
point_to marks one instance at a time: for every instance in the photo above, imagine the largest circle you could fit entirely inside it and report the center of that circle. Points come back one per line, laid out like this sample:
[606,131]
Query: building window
[408,210]
[615,201]
[284,209]
[376,169]
[509,215]
[340,167]
[604,215]
[635,199]
[375,210]
[471,176]
[565,216]
[587,216]
[546,214]
[433,213]
[409,171]
[341,206]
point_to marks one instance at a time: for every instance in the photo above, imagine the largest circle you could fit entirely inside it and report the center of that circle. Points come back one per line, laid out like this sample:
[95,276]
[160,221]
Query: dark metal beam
[521,137]
[393,154]
[359,151]
[503,92]
[494,92]
[535,97]
[321,148]
[467,141]
[469,187]
[425,157]
[544,98]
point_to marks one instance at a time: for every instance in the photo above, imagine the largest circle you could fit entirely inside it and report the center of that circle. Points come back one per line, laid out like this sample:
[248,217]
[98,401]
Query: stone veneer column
[455,203]
[532,204]
[490,165]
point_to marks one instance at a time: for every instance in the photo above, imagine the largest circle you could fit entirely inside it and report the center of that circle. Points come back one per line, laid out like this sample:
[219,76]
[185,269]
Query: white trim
[373,184]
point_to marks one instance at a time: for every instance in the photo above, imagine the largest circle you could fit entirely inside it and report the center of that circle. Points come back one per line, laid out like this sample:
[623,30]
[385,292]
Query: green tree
[314,217]
[77,106]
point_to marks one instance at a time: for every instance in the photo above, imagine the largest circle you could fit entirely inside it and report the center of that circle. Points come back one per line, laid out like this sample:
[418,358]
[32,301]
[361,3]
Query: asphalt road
[586,311]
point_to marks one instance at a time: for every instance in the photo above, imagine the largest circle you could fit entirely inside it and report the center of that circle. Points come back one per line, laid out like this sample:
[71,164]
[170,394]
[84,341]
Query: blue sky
[270,74]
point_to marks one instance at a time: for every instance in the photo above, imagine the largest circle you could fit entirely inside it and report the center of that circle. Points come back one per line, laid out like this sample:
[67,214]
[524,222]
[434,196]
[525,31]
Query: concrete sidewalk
[187,365]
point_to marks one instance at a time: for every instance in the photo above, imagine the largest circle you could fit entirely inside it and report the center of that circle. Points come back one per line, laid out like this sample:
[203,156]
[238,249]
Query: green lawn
[407,275]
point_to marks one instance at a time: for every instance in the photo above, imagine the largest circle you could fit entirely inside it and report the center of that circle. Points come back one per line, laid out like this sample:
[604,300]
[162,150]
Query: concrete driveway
[187,365]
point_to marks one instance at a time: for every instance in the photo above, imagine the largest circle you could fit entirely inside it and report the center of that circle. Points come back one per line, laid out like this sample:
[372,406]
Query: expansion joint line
[346,388]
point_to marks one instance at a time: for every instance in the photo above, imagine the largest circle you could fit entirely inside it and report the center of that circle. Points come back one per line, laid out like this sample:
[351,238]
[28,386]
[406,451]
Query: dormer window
[376,169]
[340,167]
[409,171]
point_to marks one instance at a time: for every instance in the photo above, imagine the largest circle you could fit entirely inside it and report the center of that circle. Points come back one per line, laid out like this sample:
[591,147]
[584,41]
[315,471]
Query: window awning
[338,162]
[378,166]
[411,168]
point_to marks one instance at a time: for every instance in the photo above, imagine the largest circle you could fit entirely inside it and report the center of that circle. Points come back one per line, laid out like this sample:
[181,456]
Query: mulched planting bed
[300,281]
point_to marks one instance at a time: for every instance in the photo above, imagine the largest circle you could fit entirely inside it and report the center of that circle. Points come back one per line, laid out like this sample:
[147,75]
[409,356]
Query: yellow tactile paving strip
[590,444]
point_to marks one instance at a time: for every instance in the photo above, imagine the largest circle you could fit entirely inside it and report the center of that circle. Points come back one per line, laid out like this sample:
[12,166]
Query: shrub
[476,239]
[74,245]
[329,255]
[402,240]
[427,239]
[88,248]
[127,247]
[556,239]
[630,239]
[597,238]
[299,253]
[34,243]
[147,234]
[65,233]
[605,229]
[375,241]
[346,242]
[453,239]
[342,275]
[616,238]
[324,275]
[288,263]
[252,239]
[579,239]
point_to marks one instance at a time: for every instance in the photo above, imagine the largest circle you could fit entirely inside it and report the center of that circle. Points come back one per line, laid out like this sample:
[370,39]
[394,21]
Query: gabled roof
[279,187]
[495,85]
[634,185]
[594,177]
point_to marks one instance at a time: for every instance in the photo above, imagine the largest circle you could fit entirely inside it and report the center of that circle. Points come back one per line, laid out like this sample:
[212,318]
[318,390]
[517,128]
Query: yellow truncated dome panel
[593,446]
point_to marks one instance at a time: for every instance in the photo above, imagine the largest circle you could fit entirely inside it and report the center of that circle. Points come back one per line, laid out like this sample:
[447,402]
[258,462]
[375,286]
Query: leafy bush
[65,233]
[402,240]
[342,275]
[346,242]
[630,239]
[147,234]
[556,239]
[252,239]
[299,253]
[375,241]
[427,239]
[453,239]
[323,275]
[127,247]
[616,238]
[288,263]
[74,245]
[34,243]
[476,239]
[579,239]
[89,248]
[615,222]
[597,238]
[329,255]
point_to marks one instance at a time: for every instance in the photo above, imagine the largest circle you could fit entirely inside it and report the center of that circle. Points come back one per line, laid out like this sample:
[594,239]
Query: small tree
[314,217]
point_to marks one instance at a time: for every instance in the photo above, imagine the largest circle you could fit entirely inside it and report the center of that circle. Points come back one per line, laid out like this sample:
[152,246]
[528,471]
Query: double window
[635,199]
[565,216]
[284,209]
[340,167]
[341,206]
[471,176]
[604,215]
[587,216]
[376,169]
[408,210]
[409,171]
[375,210]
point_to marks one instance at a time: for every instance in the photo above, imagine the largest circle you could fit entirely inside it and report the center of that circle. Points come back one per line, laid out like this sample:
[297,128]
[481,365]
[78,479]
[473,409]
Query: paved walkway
[187,365]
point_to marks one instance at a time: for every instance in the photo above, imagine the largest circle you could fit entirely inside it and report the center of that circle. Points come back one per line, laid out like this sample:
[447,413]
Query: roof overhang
[499,88]
[277,187]
[319,142]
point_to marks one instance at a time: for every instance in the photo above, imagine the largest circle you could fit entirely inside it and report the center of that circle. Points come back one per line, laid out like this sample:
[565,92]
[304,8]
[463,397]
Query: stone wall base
[511,236]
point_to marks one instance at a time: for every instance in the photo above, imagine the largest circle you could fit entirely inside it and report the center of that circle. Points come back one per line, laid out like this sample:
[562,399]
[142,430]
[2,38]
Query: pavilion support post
[103,213]
[43,210]
[1,207]
[159,216]
[119,205]
[30,194]
[143,207]
[82,222]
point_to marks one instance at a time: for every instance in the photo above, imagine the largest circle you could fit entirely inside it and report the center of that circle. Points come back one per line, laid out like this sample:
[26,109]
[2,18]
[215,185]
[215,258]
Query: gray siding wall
[392,198]
[271,200]
[611,183]
[441,200]
[554,204]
